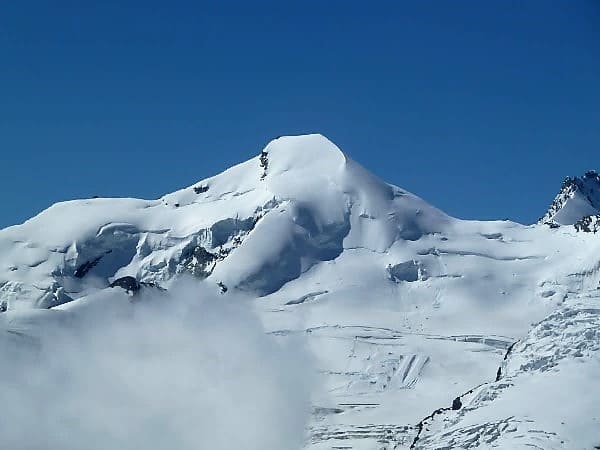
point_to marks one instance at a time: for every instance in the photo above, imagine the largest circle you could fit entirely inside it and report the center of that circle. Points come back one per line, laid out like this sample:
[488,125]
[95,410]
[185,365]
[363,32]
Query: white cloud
[183,370]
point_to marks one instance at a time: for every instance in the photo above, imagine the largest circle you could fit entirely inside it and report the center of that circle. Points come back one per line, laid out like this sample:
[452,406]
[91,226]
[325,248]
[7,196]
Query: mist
[187,369]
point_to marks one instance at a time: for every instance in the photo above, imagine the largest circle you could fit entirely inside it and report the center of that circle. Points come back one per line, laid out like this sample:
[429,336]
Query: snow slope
[404,307]
[545,395]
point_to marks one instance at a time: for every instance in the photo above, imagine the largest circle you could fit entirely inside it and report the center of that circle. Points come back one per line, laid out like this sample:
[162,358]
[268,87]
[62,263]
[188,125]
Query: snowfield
[374,320]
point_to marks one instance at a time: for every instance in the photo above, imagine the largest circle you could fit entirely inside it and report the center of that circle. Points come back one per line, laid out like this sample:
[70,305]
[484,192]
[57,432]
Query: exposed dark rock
[264,163]
[224,252]
[406,271]
[222,287]
[509,350]
[200,189]
[176,205]
[588,224]
[456,404]
[130,284]
[3,306]
[83,269]
[198,261]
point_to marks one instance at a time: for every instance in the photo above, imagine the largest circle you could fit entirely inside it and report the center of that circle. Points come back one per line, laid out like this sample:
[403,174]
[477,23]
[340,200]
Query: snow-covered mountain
[578,198]
[427,331]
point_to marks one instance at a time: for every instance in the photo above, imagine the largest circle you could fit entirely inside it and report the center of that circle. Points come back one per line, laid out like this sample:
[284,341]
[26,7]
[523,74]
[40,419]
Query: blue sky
[481,108]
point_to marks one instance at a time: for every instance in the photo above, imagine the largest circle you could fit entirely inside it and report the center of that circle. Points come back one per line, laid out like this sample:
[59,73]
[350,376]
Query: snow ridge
[578,197]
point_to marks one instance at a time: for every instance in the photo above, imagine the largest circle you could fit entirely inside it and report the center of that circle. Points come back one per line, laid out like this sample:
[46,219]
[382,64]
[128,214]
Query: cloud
[182,370]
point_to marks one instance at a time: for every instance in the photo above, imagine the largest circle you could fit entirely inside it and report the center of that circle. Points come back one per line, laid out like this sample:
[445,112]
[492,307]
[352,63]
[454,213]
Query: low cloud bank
[181,370]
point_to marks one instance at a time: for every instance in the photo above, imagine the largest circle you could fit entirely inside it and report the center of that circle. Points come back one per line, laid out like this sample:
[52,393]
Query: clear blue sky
[479,107]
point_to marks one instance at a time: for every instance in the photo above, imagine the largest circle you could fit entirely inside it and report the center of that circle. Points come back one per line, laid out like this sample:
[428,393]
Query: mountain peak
[299,202]
[312,152]
[578,197]
[300,142]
